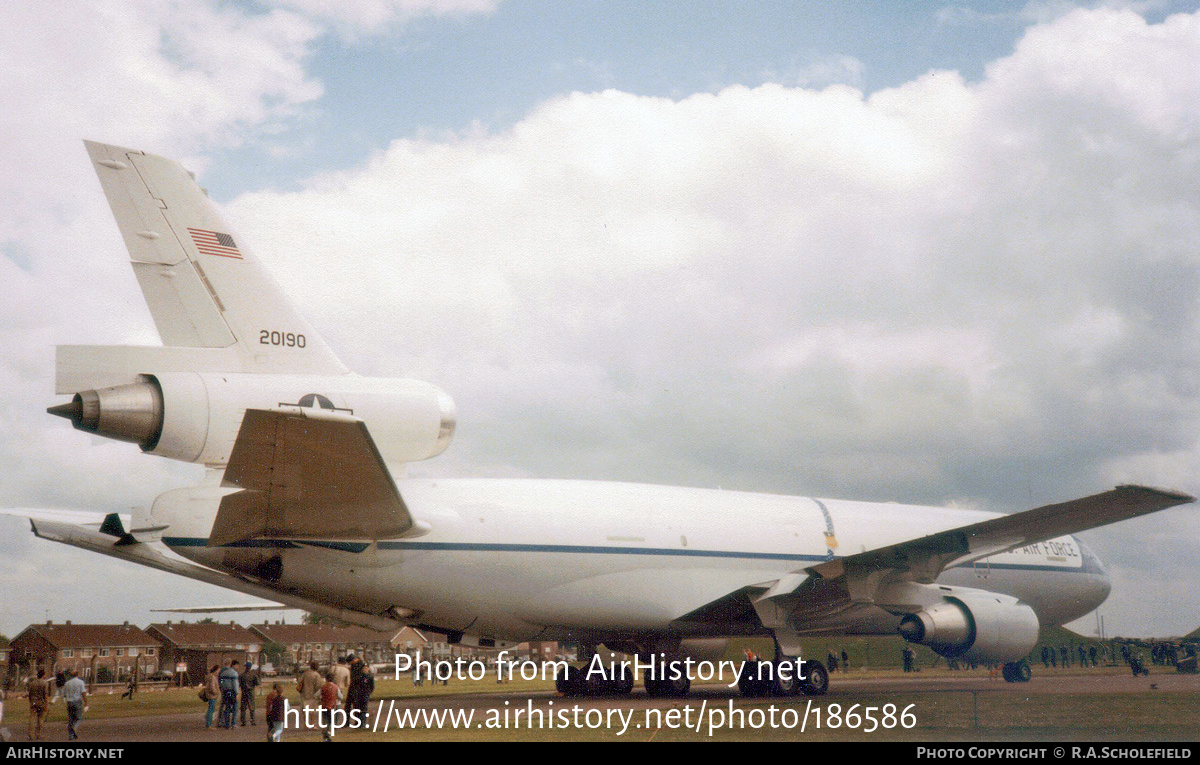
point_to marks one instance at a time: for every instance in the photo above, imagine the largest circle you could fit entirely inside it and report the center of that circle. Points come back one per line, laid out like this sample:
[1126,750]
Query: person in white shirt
[74,692]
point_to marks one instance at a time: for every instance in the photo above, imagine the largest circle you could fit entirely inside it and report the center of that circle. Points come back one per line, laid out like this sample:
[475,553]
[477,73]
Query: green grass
[996,712]
[947,716]
[105,705]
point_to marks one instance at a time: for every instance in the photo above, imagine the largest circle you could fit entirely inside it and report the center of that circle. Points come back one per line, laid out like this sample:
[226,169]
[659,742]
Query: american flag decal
[214,243]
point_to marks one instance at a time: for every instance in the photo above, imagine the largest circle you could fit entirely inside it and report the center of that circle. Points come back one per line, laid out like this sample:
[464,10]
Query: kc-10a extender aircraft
[304,502]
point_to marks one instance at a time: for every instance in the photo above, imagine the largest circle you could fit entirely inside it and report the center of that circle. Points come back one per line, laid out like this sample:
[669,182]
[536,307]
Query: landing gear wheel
[1017,672]
[623,683]
[675,684]
[750,681]
[574,681]
[785,679]
[814,678]
[570,682]
[1023,674]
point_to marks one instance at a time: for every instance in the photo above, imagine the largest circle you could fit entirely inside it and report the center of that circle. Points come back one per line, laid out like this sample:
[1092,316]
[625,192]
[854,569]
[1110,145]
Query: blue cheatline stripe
[592,550]
[357,547]
[354,547]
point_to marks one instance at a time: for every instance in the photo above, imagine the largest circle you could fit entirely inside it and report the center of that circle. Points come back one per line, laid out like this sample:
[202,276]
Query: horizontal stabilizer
[307,474]
[91,367]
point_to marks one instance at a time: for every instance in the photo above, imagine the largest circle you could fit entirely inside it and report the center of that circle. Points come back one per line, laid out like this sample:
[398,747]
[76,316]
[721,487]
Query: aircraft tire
[785,680]
[1017,672]
[571,682]
[668,688]
[816,679]
[623,684]
[749,683]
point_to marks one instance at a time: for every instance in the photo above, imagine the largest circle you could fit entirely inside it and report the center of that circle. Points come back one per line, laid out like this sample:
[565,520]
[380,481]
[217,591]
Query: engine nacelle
[974,625]
[195,417]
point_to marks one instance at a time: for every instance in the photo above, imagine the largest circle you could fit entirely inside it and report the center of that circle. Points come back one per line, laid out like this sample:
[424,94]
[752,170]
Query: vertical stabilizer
[203,286]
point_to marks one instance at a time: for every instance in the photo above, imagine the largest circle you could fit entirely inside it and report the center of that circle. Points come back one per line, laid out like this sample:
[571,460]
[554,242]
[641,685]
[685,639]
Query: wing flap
[307,474]
[825,598]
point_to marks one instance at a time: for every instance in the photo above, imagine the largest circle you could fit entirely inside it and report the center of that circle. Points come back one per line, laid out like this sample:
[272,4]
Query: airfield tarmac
[946,707]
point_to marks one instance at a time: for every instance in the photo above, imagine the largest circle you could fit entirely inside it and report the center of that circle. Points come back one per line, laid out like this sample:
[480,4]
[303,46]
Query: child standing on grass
[275,713]
[331,694]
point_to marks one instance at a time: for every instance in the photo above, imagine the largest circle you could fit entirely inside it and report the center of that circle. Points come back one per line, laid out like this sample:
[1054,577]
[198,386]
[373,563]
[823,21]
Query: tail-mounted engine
[194,417]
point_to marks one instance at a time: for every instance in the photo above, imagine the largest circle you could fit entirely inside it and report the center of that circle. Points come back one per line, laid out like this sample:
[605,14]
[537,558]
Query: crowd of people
[41,691]
[229,692]
[226,689]
[349,682]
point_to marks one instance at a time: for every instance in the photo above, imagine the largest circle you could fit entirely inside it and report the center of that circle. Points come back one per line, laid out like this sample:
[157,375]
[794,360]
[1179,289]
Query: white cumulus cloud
[984,293]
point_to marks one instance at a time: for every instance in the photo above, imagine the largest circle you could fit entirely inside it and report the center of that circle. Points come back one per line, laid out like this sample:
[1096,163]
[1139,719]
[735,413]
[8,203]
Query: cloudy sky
[927,252]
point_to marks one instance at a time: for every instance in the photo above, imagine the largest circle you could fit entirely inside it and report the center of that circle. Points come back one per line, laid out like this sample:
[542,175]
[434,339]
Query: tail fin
[201,284]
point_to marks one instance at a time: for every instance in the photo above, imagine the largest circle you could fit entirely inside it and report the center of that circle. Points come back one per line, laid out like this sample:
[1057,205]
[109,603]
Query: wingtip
[1181,498]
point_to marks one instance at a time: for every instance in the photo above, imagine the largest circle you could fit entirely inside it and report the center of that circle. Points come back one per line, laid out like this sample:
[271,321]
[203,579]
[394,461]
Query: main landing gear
[1016,672]
[670,681]
[783,677]
[576,682]
[674,683]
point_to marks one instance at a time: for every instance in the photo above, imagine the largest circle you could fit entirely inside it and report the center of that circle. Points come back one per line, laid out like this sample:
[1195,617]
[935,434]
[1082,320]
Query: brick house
[191,649]
[99,652]
[409,640]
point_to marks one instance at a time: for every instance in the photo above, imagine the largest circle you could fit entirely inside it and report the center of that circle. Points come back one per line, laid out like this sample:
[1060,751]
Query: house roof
[203,635]
[89,635]
[417,634]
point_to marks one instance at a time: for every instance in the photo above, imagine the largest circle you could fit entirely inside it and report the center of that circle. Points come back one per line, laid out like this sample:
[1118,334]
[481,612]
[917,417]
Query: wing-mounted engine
[954,621]
[974,625]
[194,417]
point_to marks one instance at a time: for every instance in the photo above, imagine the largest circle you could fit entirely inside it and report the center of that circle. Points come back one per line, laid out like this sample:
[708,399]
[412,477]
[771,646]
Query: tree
[311,618]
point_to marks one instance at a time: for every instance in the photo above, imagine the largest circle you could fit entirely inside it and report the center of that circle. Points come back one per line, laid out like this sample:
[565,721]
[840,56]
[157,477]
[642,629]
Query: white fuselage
[516,560]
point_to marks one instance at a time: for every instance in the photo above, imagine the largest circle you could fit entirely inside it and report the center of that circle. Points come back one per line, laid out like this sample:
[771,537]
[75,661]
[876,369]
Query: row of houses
[185,651]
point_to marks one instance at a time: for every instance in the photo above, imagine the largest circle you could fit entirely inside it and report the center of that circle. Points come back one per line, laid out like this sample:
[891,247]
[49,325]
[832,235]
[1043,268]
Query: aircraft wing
[923,559]
[221,609]
[114,544]
[821,596]
[62,515]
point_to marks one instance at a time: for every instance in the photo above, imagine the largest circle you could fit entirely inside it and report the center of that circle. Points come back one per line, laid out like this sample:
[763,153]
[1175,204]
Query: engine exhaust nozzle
[131,412]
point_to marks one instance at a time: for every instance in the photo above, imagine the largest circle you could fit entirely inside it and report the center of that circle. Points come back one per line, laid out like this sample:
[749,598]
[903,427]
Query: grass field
[994,711]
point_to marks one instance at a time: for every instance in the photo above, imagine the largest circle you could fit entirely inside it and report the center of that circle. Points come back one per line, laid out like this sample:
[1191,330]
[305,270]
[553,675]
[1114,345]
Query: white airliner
[302,503]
